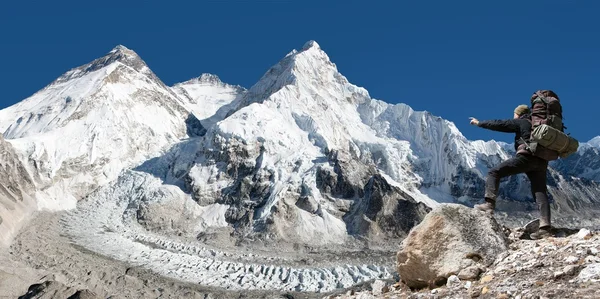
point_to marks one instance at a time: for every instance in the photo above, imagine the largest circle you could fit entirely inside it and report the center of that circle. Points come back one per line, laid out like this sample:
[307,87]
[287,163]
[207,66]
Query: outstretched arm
[500,125]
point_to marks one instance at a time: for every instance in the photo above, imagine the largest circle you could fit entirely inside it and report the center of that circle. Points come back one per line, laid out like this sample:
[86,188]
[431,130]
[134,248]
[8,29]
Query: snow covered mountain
[80,131]
[303,157]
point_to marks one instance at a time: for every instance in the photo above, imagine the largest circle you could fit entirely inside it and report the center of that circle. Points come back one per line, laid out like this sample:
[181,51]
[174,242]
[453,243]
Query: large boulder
[450,238]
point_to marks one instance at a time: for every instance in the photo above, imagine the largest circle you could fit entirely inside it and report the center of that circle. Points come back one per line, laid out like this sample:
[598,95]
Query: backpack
[548,139]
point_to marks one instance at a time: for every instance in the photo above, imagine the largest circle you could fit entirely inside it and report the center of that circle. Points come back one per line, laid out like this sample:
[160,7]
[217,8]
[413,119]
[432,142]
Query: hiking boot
[543,232]
[487,207]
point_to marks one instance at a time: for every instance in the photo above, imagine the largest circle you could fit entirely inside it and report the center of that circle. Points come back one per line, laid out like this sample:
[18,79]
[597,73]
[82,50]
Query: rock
[570,269]
[84,294]
[500,270]
[584,234]
[571,259]
[470,273]
[452,281]
[485,290]
[385,211]
[487,278]
[590,259]
[395,287]
[475,292]
[439,245]
[592,251]
[53,289]
[308,204]
[468,285]
[589,273]
[379,287]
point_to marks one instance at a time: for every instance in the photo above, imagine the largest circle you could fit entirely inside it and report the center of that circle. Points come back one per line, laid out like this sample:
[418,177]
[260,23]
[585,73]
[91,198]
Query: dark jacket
[520,126]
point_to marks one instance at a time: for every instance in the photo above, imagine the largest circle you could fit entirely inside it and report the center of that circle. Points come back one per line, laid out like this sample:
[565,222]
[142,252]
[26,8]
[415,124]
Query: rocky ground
[43,263]
[564,266]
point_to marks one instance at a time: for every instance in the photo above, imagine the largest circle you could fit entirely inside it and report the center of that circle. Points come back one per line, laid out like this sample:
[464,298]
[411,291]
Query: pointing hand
[474,121]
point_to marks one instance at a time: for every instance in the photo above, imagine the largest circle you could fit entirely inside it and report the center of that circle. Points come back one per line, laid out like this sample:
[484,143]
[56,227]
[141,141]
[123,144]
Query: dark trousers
[534,168]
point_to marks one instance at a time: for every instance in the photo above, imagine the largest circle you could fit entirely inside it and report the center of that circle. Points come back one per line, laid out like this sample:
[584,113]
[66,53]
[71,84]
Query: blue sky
[453,58]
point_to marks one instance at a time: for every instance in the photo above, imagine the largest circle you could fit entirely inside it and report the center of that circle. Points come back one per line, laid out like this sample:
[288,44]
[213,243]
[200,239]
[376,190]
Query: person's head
[521,110]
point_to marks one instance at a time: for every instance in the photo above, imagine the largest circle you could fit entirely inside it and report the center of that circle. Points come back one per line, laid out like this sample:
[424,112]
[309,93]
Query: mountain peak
[120,54]
[310,45]
[297,67]
[120,48]
[208,78]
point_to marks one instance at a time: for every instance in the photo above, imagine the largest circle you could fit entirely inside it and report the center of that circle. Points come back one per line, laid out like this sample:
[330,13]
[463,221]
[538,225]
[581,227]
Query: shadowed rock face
[451,238]
[384,212]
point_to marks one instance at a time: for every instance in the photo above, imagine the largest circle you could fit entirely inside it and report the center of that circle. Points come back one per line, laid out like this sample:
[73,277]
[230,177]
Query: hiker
[523,162]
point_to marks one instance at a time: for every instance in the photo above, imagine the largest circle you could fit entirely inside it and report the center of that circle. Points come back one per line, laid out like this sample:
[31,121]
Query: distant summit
[120,54]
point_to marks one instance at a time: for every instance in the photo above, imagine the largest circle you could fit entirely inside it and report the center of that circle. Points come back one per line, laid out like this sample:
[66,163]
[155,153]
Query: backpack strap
[526,142]
[541,97]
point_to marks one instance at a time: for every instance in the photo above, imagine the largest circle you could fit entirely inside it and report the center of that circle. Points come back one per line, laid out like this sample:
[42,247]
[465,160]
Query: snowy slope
[208,97]
[83,129]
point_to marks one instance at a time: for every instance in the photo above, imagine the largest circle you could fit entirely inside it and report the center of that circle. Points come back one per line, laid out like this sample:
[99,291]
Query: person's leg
[540,193]
[512,166]
[538,189]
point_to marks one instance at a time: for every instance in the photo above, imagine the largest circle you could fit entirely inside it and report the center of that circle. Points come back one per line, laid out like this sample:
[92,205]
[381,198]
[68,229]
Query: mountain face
[585,164]
[208,97]
[16,193]
[302,157]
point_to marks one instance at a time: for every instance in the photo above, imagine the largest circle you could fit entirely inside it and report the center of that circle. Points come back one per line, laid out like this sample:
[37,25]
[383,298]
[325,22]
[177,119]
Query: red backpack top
[546,109]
